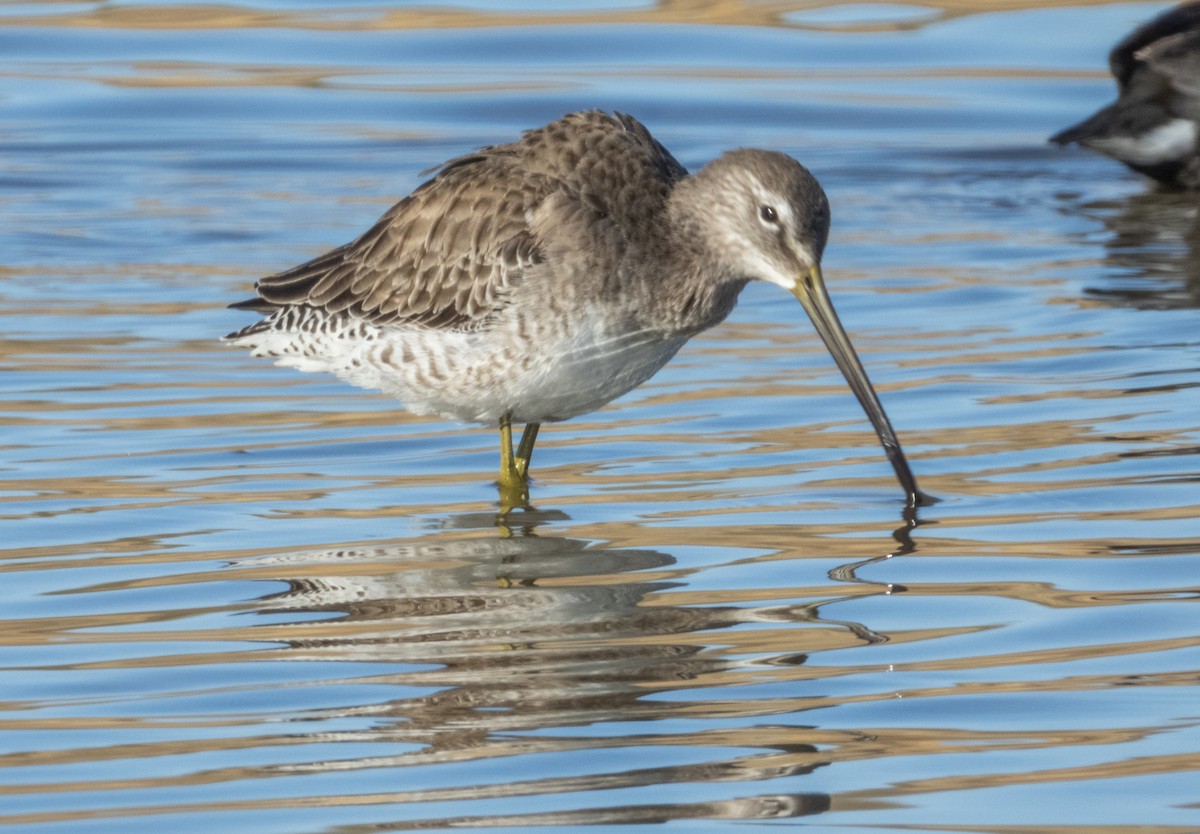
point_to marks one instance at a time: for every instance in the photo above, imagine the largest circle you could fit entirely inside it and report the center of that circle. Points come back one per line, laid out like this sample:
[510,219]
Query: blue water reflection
[242,597]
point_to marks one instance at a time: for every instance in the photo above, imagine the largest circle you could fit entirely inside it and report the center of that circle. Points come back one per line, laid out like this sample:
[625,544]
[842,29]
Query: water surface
[238,597]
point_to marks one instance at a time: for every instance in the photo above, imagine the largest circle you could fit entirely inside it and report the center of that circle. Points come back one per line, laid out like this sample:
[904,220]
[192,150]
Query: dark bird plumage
[1154,125]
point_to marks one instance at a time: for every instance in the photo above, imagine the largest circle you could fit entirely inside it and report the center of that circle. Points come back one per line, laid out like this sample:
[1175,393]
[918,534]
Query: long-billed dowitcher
[536,281]
[1154,125]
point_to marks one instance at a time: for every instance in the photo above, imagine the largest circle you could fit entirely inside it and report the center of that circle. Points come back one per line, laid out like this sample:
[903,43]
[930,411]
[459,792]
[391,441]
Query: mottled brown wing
[442,257]
[447,255]
[609,163]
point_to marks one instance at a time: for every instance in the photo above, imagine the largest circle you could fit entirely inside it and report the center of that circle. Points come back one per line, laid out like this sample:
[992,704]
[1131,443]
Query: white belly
[534,374]
[588,370]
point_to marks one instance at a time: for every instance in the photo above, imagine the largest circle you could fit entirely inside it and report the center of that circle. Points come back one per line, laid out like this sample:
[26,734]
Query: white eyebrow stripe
[767,197]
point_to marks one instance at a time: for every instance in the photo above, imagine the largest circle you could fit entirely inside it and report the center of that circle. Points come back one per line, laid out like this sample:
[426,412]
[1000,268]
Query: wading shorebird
[1154,125]
[539,280]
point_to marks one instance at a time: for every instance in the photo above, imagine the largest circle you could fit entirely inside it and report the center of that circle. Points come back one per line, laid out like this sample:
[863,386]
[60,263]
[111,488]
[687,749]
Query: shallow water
[241,598]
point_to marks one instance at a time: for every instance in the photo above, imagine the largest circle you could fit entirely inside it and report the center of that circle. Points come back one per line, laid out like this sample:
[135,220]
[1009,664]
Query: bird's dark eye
[768,214]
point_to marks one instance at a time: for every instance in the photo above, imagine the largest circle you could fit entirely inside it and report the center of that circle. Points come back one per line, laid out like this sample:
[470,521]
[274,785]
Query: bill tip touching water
[538,280]
[1154,124]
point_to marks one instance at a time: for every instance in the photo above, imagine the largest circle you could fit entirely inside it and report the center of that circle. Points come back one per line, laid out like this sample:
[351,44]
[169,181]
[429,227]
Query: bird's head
[760,215]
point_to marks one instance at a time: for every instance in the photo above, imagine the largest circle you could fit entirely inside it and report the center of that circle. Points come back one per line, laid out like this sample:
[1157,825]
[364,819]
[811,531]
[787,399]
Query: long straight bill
[810,291]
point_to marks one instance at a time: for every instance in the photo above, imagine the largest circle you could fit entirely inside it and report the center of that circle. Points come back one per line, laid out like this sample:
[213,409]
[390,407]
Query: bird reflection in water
[1154,125]
[507,640]
[1152,243]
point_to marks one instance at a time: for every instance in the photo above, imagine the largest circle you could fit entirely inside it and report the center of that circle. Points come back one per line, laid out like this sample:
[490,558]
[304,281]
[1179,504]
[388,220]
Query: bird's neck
[687,291]
[694,290]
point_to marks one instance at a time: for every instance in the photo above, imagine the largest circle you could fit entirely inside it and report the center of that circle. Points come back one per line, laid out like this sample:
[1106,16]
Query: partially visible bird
[1154,125]
[538,280]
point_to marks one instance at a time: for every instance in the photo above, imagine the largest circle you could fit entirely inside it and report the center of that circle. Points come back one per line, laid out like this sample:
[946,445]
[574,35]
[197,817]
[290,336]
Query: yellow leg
[514,485]
[525,450]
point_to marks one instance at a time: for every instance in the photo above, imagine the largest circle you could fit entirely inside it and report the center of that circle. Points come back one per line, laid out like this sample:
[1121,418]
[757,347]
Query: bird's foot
[514,468]
[514,486]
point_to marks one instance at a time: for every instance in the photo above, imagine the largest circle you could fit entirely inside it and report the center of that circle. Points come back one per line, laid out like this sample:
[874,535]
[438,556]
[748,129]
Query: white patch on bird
[312,353]
[545,375]
[1168,142]
[595,364]
[770,272]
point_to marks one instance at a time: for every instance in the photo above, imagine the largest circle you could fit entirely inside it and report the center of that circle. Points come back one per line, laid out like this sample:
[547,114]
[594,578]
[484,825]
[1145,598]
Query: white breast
[1168,142]
[589,368]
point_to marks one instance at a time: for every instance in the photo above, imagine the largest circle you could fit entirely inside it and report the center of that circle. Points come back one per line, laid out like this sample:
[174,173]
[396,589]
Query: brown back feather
[447,255]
